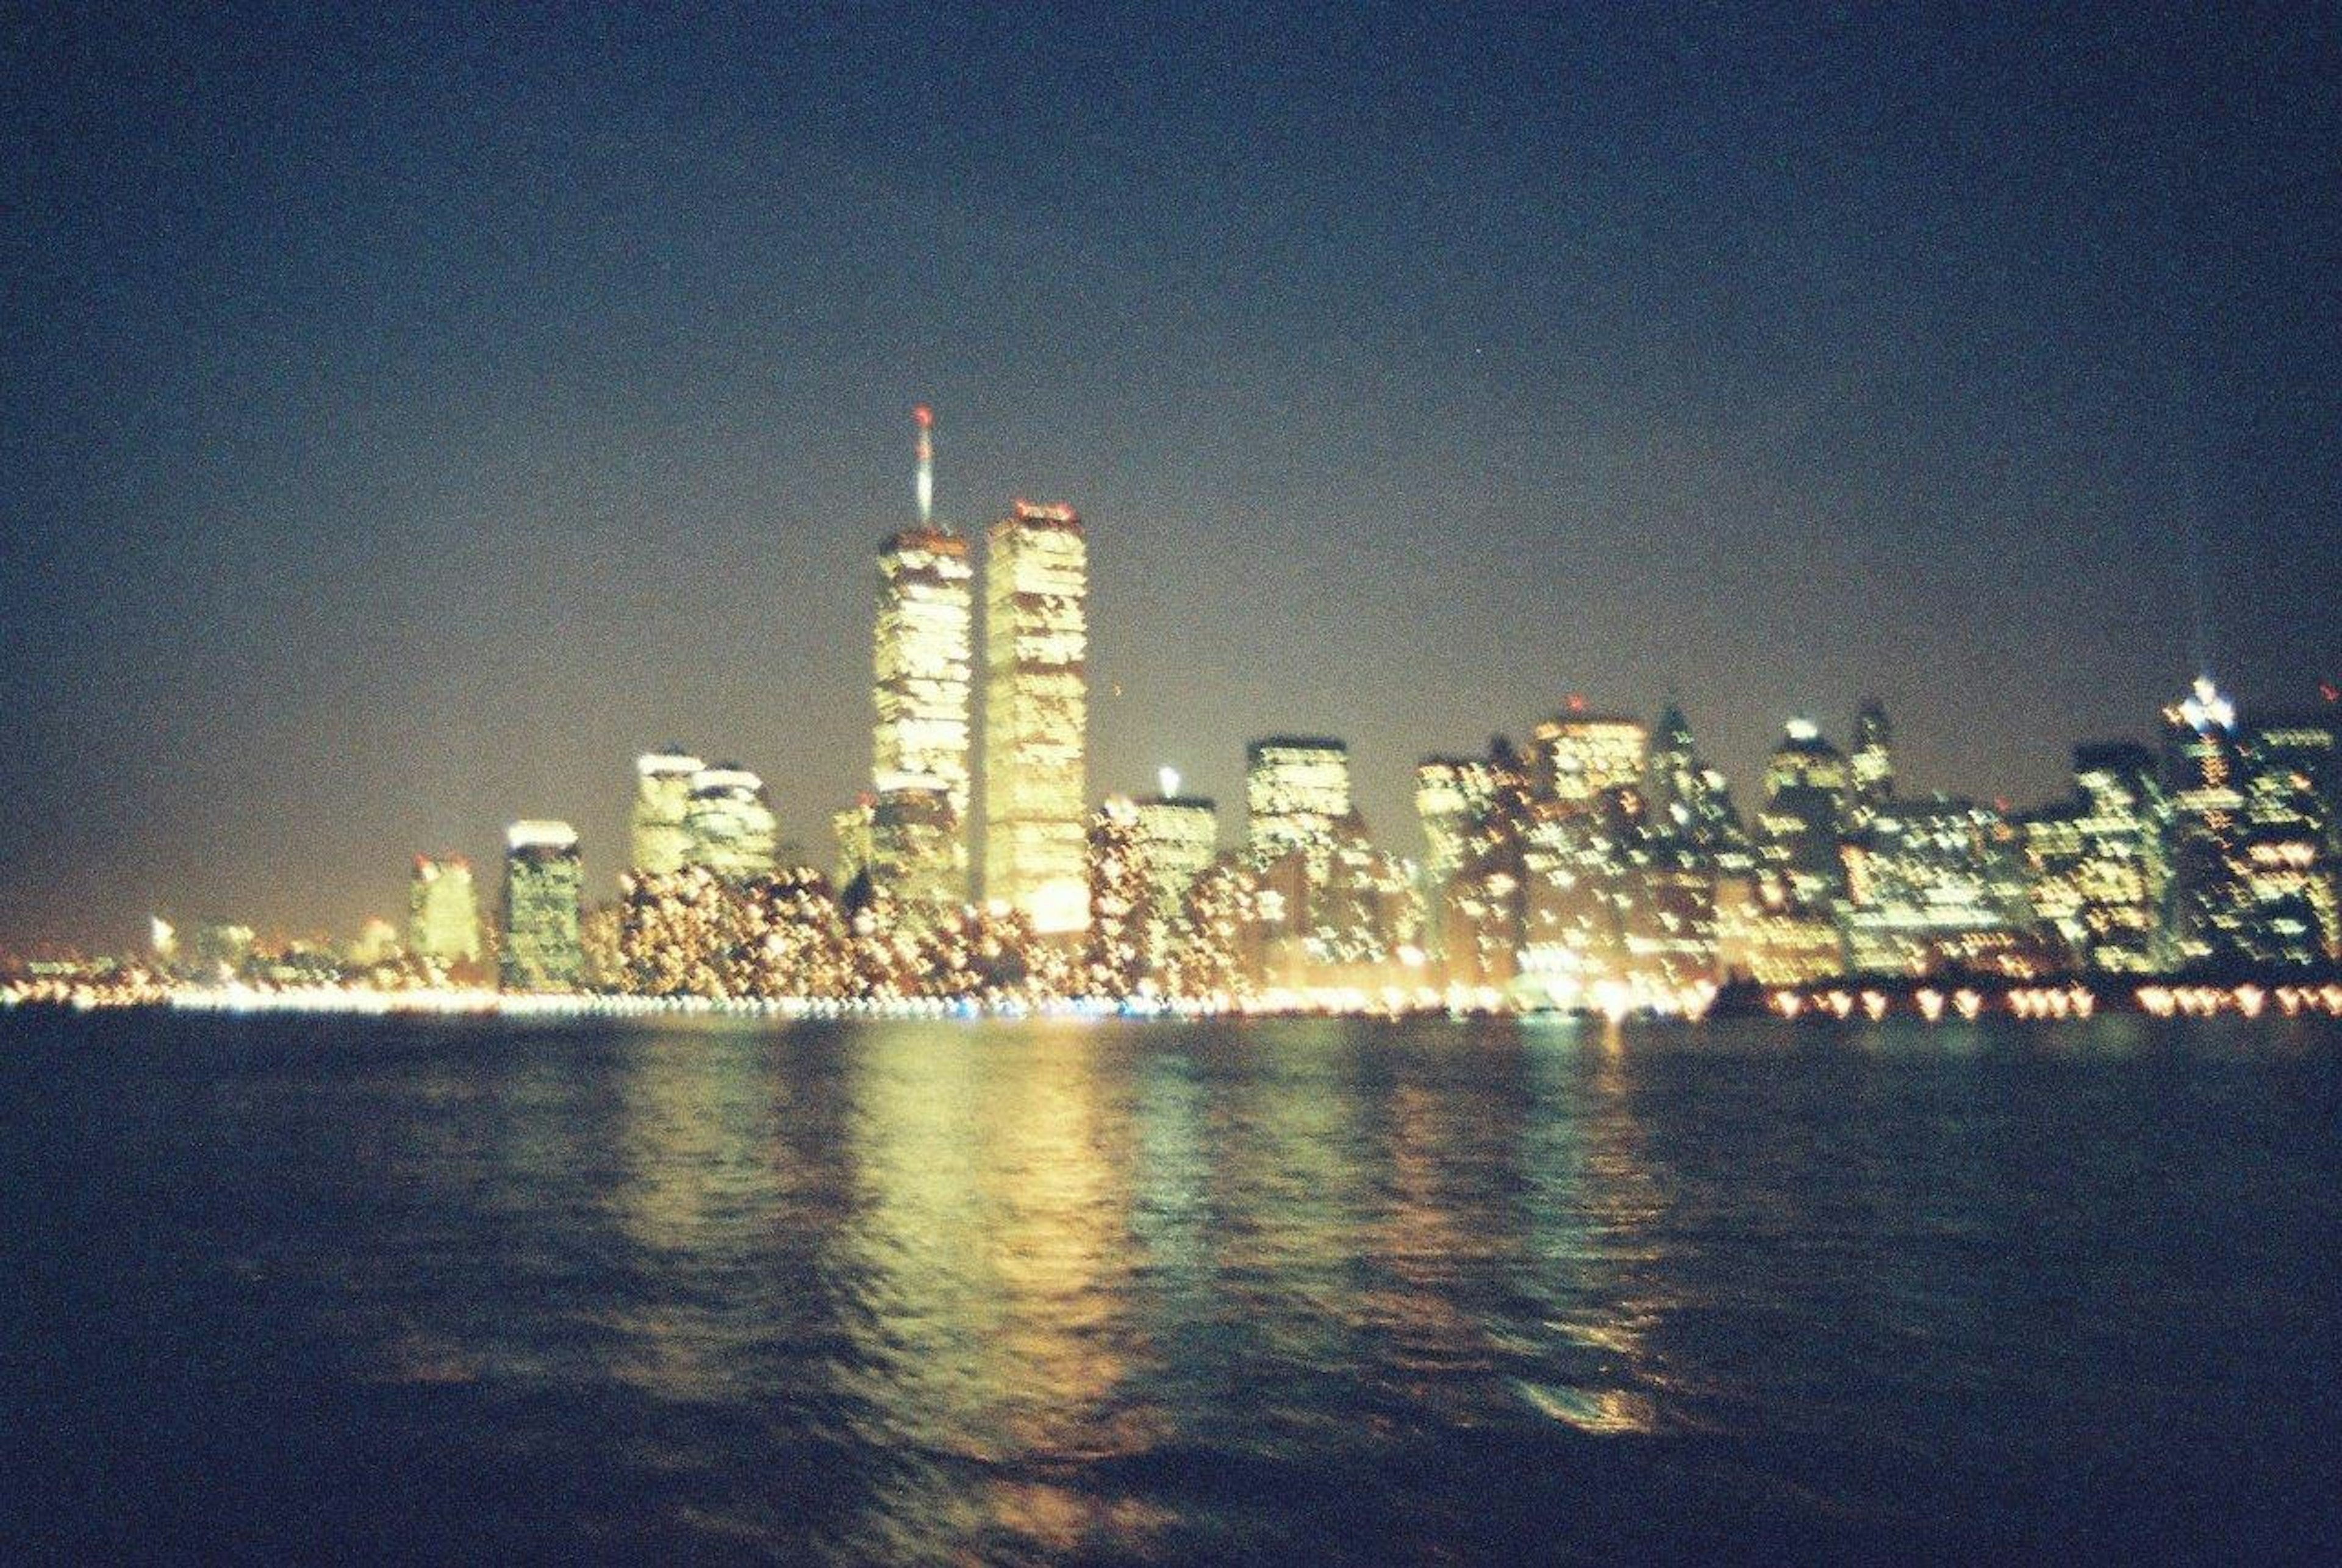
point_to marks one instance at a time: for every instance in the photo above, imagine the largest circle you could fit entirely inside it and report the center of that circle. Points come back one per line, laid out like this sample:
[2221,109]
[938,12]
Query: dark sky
[406,419]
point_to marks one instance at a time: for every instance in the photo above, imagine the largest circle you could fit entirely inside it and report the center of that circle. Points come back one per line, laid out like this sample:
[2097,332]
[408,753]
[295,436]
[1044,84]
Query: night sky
[405,420]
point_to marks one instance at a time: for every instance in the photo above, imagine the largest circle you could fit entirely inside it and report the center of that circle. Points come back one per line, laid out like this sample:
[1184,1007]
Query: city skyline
[360,504]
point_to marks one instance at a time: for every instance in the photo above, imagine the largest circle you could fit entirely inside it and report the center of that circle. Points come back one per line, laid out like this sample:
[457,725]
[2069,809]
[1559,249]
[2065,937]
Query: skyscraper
[543,885]
[1296,788]
[1797,837]
[443,912]
[1037,716]
[2098,865]
[2292,767]
[1871,769]
[1119,884]
[926,608]
[1578,754]
[2204,776]
[1179,835]
[730,824]
[1691,815]
[658,837]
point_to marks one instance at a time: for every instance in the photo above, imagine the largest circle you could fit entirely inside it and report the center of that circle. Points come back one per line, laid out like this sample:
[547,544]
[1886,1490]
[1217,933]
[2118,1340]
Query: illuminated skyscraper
[1037,716]
[2293,771]
[1939,885]
[2204,773]
[1871,769]
[658,837]
[1797,837]
[543,946]
[1691,815]
[443,912]
[1119,893]
[730,823]
[1578,754]
[1297,789]
[1179,835]
[2097,865]
[1451,795]
[926,609]
[916,844]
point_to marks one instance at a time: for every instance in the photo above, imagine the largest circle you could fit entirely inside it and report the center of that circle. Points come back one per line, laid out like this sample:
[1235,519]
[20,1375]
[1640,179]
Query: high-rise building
[658,832]
[731,824]
[1691,817]
[543,947]
[1119,893]
[1870,771]
[1578,754]
[1451,796]
[2096,865]
[1037,717]
[1796,834]
[1939,885]
[925,610]
[1179,835]
[443,912]
[2293,767]
[916,844]
[1297,790]
[2204,776]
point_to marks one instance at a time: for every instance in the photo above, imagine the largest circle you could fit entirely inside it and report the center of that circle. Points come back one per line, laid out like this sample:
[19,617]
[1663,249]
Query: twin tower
[910,832]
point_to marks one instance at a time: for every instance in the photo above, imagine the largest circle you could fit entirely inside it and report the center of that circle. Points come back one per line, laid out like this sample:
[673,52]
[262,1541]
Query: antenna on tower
[925,418]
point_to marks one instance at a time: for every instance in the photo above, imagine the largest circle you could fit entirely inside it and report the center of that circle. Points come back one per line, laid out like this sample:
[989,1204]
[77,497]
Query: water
[285,1290]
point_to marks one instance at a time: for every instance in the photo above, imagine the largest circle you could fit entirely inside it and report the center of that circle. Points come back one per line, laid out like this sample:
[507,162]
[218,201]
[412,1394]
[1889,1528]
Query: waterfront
[610,1290]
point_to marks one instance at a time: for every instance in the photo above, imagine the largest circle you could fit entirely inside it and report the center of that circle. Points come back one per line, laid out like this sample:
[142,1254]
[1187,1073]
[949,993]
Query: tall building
[2097,865]
[443,912]
[659,834]
[1452,794]
[925,610]
[1179,835]
[1037,716]
[2293,767]
[543,948]
[1691,814]
[916,850]
[731,826]
[1578,754]
[2204,776]
[1935,885]
[1119,889]
[1297,790]
[1870,771]
[1796,834]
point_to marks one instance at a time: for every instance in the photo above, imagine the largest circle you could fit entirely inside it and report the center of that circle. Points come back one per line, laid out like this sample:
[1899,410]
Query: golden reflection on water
[1044,1247]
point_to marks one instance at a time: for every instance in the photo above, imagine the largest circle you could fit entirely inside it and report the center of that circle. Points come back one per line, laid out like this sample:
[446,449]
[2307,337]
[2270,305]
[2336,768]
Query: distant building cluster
[1605,867]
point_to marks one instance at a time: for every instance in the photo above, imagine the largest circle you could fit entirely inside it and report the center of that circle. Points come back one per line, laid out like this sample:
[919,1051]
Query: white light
[1804,730]
[1169,779]
[537,834]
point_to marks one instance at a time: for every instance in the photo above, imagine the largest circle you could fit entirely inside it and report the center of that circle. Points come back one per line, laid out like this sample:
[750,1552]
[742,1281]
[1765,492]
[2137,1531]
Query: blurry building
[1036,715]
[542,948]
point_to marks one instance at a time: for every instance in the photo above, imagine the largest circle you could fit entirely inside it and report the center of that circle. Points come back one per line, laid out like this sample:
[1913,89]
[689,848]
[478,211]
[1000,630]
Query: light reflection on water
[1153,1292]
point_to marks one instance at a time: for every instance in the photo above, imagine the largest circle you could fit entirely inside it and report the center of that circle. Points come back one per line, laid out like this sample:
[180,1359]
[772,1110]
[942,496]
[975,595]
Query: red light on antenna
[2325,689]
[1576,704]
[924,415]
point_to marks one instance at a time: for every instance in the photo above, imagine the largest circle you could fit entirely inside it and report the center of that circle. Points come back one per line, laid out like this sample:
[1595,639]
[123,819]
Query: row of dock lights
[2246,1000]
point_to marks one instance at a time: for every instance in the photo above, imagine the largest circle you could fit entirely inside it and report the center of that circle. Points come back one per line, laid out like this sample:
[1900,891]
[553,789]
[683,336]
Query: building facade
[1297,790]
[730,823]
[443,912]
[543,947]
[658,832]
[1037,717]
[922,692]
